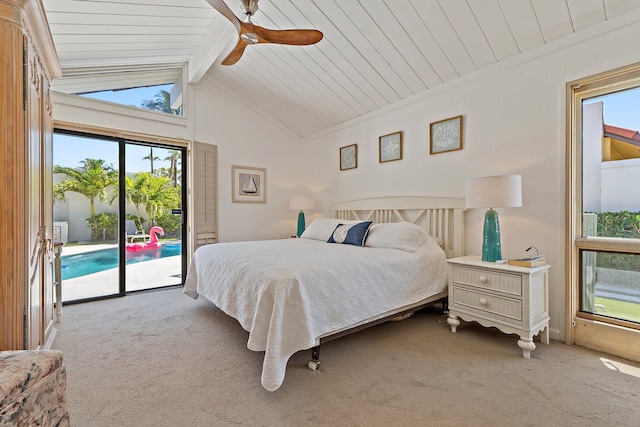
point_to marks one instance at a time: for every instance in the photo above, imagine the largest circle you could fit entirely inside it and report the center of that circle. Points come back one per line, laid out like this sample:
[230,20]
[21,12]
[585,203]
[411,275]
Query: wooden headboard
[441,217]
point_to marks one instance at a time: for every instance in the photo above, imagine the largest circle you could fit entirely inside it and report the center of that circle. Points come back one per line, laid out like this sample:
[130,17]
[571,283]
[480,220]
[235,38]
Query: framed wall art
[390,147]
[445,135]
[249,184]
[349,157]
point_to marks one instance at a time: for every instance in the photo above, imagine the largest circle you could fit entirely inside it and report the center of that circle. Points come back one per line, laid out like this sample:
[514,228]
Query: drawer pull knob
[483,279]
[483,301]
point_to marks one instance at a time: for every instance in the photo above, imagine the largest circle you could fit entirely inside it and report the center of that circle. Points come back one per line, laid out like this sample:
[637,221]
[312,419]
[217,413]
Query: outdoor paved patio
[142,275]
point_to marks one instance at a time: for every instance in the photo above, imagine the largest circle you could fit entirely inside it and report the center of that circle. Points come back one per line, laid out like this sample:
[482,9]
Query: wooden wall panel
[28,63]
[12,180]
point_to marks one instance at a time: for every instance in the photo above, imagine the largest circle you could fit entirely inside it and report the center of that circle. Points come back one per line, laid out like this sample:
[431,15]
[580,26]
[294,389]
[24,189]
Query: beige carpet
[163,359]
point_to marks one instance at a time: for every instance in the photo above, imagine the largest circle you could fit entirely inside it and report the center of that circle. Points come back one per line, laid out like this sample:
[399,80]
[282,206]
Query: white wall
[247,139]
[243,138]
[592,134]
[621,186]
[611,186]
[514,122]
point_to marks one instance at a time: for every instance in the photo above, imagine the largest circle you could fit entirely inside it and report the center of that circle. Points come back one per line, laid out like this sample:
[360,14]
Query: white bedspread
[289,293]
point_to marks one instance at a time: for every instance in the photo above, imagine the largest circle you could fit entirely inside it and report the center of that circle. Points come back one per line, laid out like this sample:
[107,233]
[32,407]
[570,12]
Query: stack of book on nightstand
[532,261]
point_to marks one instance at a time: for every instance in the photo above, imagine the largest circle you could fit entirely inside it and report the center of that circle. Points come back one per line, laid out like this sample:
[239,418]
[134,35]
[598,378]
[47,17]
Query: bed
[294,294]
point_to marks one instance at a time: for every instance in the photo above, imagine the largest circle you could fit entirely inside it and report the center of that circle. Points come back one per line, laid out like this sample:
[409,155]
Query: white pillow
[322,228]
[396,235]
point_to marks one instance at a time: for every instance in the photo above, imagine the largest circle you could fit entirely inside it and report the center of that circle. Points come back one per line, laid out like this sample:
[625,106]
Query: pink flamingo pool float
[152,244]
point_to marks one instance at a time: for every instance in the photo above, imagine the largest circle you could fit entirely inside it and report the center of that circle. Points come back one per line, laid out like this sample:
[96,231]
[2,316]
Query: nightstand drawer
[500,282]
[494,306]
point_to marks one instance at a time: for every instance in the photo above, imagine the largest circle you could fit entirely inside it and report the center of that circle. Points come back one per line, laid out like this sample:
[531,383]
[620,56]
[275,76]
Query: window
[604,210]
[154,98]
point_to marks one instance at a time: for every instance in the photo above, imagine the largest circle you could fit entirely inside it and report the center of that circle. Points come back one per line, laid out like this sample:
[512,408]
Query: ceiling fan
[248,33]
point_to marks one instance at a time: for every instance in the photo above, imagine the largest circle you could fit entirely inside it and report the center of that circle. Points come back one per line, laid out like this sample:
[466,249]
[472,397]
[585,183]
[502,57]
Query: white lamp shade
[301,202]
[503,191]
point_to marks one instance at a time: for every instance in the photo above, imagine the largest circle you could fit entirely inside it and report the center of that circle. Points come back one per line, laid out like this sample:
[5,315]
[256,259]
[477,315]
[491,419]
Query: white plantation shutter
[205,193]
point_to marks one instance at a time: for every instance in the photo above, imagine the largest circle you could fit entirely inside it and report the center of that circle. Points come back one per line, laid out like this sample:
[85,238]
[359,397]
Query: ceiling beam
[217,39]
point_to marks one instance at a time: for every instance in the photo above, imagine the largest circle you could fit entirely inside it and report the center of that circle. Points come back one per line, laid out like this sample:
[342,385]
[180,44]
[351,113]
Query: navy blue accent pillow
[350,234]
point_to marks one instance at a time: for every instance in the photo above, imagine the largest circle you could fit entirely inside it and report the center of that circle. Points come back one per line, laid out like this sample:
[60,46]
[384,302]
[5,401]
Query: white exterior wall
[621,186]
[592,134]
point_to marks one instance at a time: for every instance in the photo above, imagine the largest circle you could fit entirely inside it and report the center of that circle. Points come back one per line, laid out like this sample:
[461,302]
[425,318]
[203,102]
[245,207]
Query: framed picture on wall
[445,135]
[390,147]
[349,157]
[249,184]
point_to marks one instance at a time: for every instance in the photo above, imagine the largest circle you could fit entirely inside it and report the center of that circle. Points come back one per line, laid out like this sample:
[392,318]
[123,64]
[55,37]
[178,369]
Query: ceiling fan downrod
[250,7]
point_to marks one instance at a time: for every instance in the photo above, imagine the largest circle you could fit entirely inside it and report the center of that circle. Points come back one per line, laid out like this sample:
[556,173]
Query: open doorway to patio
[119,211]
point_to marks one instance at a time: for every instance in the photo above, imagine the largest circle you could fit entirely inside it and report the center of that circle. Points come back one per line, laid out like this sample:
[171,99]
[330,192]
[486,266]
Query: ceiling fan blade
[292,37]
[235,54]
[221,7]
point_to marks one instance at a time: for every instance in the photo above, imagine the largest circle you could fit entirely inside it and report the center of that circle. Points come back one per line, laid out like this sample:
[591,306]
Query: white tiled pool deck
[142,275]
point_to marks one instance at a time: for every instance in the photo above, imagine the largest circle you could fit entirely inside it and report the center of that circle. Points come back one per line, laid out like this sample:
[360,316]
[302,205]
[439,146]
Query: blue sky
[621,109]
[71,150]
[130,97]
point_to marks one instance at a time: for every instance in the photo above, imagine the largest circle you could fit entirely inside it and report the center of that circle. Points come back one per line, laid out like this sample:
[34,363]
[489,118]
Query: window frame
[592,330]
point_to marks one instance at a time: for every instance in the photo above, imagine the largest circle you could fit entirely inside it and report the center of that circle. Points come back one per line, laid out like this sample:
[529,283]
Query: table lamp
[503,191]
[301,202]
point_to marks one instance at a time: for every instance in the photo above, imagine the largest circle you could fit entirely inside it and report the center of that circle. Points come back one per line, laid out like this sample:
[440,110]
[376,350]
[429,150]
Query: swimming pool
[95,261]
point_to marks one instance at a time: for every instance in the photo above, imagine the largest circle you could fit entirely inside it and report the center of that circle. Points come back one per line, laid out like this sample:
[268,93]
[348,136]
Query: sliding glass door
[85,213]
[119,212]
[153,226]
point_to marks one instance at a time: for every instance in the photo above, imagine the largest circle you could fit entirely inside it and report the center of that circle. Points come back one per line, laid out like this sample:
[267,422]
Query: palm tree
[151,157]
[155,193]
[173,157]
[135,190]
[159,194]
[91,180]
[161,102]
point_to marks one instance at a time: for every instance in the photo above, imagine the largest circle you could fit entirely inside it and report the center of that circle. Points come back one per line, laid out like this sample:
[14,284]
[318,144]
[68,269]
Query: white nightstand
[513,299]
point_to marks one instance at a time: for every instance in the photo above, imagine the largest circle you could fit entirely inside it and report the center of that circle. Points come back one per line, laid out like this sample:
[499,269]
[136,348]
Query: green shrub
[104,226]
[619,224]
[170,223]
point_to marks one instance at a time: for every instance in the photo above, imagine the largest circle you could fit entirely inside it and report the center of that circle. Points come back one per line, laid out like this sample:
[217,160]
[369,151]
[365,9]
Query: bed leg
[314,363]
[445,306]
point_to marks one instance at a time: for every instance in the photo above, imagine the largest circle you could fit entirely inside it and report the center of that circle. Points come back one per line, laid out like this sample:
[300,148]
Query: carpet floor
[163,359]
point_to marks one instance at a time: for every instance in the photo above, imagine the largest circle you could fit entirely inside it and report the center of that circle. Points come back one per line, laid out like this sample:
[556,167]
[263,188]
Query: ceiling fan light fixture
[249,38]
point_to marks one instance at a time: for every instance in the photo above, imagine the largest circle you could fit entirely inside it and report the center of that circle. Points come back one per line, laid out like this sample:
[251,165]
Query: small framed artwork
[349,157]
[249,184]
[445,135]
[390,147]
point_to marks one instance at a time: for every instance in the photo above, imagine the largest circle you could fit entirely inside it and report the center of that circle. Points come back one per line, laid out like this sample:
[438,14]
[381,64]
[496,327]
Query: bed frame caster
[314,363]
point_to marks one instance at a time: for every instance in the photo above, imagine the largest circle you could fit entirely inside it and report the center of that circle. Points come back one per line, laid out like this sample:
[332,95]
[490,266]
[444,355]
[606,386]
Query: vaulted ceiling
[374,52]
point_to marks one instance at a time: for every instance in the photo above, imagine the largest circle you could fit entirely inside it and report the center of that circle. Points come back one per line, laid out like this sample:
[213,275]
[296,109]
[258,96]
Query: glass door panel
[85,214]
[153,224]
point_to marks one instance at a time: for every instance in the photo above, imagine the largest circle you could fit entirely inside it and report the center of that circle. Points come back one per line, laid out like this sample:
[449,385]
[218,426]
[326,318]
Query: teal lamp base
[491,250]
[301,223]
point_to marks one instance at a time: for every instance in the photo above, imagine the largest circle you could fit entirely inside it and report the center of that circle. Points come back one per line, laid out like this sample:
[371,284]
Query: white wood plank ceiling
[374,52]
